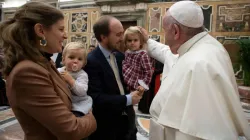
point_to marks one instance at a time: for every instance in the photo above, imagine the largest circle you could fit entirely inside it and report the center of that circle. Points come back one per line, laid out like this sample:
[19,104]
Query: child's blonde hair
[75,45]
[134,30]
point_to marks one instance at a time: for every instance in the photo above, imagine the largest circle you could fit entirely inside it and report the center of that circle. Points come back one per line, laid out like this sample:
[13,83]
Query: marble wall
[79,23]
[223,19]
[227,21]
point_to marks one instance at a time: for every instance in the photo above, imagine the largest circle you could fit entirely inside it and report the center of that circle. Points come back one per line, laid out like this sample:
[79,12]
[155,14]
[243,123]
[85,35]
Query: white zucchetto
[187,13]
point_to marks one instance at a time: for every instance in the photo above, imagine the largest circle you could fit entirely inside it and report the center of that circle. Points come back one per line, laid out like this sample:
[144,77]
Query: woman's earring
[43,42]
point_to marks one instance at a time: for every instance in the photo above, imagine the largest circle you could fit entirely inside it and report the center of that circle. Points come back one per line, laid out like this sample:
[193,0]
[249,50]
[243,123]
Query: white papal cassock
[198,94]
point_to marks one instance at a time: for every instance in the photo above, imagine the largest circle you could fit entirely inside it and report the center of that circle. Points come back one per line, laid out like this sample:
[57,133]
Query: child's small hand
[68,78]
[141,90]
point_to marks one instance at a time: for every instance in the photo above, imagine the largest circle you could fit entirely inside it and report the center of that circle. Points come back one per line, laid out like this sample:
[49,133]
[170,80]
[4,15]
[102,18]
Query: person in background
[74,58]
[56,58]
[3,97]
[112,103]
[38,95]
[148,96]
[91,48]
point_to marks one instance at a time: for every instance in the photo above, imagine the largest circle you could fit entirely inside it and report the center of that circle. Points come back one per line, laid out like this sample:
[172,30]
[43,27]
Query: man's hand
[144,34]
[141,90]
[135,97]
[68,78]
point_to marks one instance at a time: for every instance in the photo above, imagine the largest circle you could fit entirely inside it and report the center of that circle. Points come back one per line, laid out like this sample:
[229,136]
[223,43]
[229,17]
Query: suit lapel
[107,68]
[103,61]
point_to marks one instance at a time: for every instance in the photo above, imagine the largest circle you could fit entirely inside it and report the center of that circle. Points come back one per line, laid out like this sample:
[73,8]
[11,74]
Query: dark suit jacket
[3,98]
[59,60]
[41,102]
[108,103]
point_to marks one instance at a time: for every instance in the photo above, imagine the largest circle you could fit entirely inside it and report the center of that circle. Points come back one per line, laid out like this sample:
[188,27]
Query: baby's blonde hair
[134,30]
[75,45]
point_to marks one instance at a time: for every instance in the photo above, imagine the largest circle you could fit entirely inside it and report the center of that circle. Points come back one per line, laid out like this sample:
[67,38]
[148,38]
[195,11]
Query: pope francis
[198,98]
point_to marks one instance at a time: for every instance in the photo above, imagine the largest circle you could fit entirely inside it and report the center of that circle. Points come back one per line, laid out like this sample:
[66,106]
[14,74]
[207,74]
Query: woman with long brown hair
[39,97]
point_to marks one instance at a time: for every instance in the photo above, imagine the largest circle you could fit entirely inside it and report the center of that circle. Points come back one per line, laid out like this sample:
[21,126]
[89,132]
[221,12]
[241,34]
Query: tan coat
[41,102]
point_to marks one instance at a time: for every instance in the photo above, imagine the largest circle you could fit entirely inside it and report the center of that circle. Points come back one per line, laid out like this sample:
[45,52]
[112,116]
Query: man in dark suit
[112,104]
[59,60]
[3,97]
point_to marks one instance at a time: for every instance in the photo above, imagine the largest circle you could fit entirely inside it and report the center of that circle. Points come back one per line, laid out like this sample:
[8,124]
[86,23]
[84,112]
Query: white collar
[188,44]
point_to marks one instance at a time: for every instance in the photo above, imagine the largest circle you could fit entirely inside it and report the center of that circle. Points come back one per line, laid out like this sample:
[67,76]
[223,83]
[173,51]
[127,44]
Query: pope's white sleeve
[159,51]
